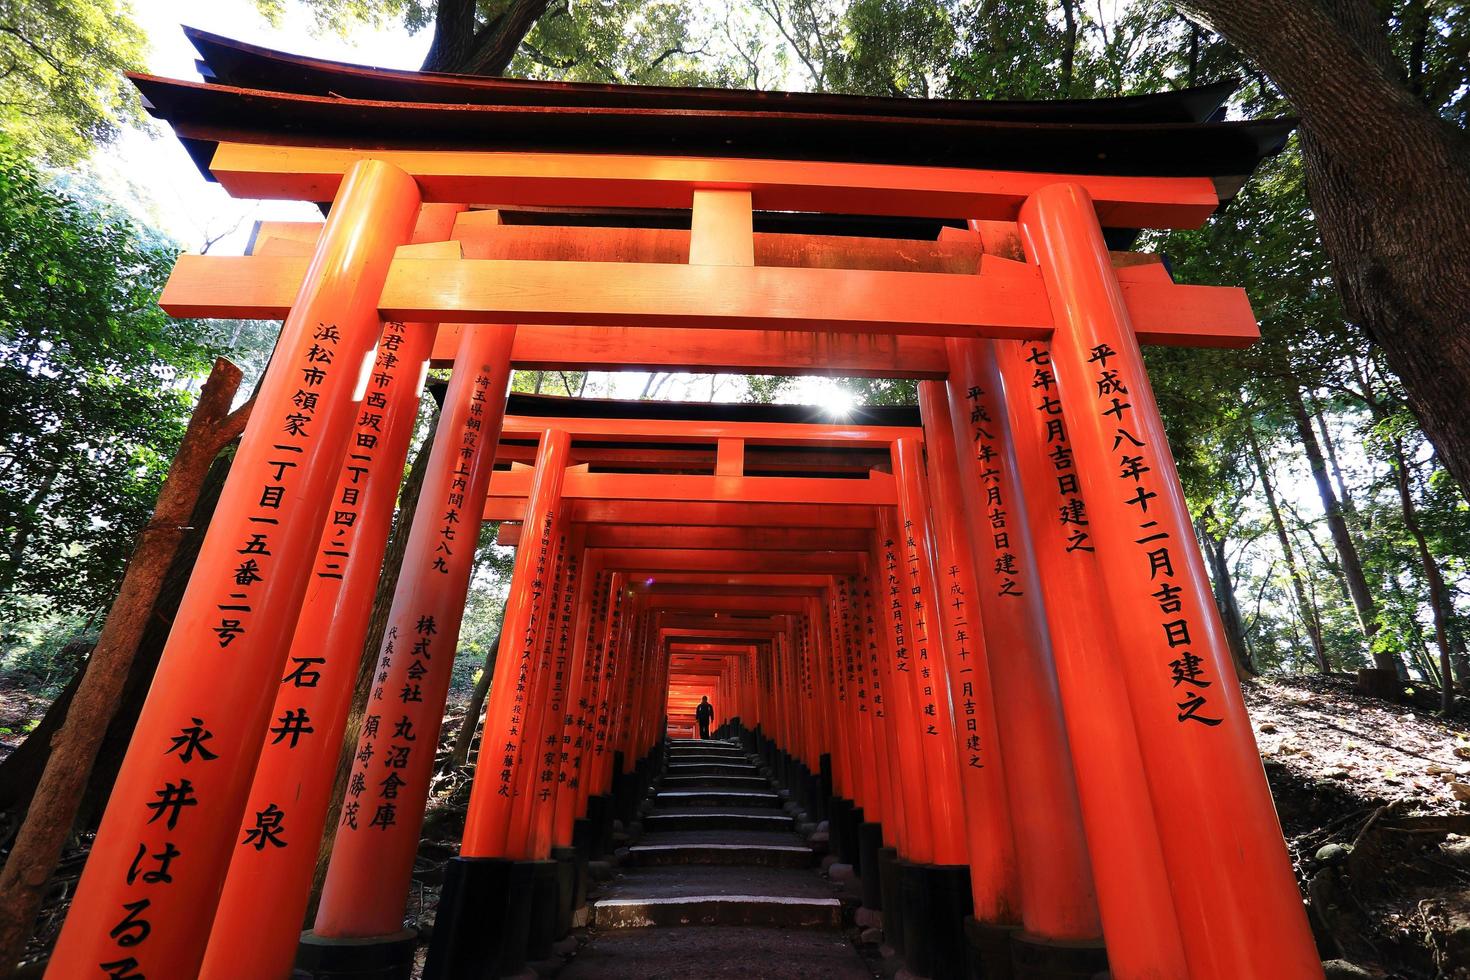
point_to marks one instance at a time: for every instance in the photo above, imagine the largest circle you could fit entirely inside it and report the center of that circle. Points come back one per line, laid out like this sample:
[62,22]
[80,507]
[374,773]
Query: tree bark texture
[74,747]
[1390,184]
[1342,539]
[462,45]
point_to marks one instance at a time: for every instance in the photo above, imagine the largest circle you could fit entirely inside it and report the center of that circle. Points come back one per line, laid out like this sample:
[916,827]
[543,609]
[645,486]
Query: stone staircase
[720,872]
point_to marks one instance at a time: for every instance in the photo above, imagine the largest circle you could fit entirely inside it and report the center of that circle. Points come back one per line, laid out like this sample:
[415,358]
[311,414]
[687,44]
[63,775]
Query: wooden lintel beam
[647,181]
[652,561]
[676,431]
[750,539]
[877,489]
[703,513]
[1006,300]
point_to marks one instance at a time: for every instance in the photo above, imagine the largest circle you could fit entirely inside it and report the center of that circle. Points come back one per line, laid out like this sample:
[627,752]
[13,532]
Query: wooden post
[377,835]
[1240,912]
[149,889]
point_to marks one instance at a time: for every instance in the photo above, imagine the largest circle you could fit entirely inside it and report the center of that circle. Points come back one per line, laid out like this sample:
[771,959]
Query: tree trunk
[1344,496]
[1308,610]
[1419,652]
[1438,596]
[1390,186]
[1347,551]
[1225,600]
[460,755]
[74,747]
[408,498]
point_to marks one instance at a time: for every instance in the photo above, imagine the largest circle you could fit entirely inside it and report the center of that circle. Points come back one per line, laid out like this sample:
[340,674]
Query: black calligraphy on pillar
[1137,470]
[1005,549]
[928,707]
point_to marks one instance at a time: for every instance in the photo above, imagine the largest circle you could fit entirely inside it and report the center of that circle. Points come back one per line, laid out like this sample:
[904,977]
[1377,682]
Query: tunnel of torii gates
[976,637]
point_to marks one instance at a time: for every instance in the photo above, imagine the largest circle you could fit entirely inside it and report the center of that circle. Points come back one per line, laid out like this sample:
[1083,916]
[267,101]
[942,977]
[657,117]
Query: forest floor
[1370,795]
[1374,799]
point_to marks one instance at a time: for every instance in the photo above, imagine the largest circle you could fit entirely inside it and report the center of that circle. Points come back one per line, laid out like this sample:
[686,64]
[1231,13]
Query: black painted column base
[1036,958]
[988,949]
[567,875]
[870,843]
[951,902]
[852,819]
[917,900]
[372,958]
[837,843]
[469,926]
[479,925]
[892,900]
[545,893]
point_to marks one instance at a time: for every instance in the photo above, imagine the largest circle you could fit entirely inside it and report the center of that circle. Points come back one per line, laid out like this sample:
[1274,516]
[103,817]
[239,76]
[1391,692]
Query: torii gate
[988,644]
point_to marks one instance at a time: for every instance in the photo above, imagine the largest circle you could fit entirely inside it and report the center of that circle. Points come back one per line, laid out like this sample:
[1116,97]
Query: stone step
[716,953]
[716,818]
[651,855]
[717,896]
[717,797]
[714,782]
[732,758]
[711,769]
[717,910]
[684,742]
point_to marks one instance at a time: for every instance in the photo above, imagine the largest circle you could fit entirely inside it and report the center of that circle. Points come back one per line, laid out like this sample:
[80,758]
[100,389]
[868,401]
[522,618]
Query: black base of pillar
[988,950]
[892,901]
[918,918]
[852,819]
[517,919]
[373,958]
[568,873]
[837,844]
[1035,958]
[545,892]
[582,834]
[870,843]
[951,903]
[471,926]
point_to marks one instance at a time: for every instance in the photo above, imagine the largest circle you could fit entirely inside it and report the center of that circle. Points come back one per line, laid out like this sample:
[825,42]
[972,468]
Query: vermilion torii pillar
[1239,909]
[378,834]
[1133,893]
[290,795]
[1057,898]
[994,878]
[160,857]
[277,848]
[492,796]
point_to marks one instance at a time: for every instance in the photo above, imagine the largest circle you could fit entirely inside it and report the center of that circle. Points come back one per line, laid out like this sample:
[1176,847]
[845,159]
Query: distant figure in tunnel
[704,714]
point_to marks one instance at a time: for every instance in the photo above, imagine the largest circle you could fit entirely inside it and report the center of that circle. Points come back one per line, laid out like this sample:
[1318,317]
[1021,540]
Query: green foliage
[93,393]
[62,88]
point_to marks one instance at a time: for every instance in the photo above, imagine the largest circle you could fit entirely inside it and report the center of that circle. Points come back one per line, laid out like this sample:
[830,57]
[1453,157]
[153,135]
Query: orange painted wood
[1005,301]
[877,489]
[608,180]
[1134,898]
[183,785]
[721,231]
[681,430]
[748,539]
[491,810]
[375,841]
[654,560]
[1240,912]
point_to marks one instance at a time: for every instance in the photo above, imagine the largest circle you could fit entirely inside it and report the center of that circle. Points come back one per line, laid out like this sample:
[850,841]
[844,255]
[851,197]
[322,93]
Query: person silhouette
[704,714]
